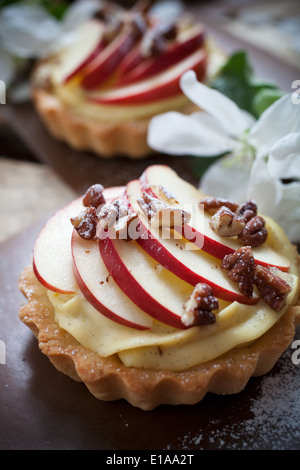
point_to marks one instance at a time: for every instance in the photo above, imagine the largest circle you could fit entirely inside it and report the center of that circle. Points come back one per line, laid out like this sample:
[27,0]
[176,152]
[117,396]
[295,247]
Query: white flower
[263,157]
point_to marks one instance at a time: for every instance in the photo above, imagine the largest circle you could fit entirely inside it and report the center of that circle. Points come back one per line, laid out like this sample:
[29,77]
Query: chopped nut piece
[138,24]
[152,44]
[272,288]
[198,309]
[240,266]
[212,204]
[226,223]
[117,217]
[167,195]
[168,30]
[86,223]
[162,214]
[94,196]
[247,210]
[254,232]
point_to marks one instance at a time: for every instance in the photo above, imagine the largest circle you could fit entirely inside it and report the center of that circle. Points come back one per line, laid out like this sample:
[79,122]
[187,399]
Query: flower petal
[234,121]
[287,212]
[7,67]
[79,12]
[26,30]
[197,134]
[226,180]
[281,118]
[263,188]
[284,157]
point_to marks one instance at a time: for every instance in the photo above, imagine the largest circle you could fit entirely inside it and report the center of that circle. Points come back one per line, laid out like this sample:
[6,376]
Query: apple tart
[122,68]
[147,293]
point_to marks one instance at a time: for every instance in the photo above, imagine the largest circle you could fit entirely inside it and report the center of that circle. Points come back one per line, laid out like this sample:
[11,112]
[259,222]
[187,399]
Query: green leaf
[237,81]
[264,98]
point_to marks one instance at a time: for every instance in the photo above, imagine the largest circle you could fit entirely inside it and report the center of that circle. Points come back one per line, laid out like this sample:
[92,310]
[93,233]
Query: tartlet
[102,317]
[122,68]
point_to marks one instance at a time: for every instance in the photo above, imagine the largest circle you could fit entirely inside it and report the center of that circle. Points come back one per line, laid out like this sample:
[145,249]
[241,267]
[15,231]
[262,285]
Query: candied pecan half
[272,288]
[254,232]
[240,266]
[162,214]
[94,196]
[226,223]
[86,223]
[247,210]
[198,309]
[116,216]
[212,204]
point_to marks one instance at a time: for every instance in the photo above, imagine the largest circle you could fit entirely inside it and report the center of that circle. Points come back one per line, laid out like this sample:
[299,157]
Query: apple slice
[52,258]
[157,175]
[105,64]
[140,67]
[191,266]
[100,289]
[161,86]
[155,290]
[87,45]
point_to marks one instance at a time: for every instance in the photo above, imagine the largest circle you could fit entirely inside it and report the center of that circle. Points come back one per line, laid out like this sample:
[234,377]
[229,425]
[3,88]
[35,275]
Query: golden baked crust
[106,139]
[109,379]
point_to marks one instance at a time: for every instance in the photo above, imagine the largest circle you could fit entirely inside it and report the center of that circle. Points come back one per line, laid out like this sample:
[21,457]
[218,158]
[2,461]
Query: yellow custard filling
[165,347]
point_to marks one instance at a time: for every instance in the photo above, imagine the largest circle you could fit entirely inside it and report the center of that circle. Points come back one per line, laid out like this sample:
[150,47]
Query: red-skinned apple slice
[185,193]
[140,67]
[87,45]
[158,293]
[100,289]
[105,64]
[191,266]
[164,85]
[52,258]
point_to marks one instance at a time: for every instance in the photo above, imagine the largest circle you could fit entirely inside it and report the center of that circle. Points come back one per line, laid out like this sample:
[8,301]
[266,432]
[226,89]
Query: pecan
[254,232]
[240,266]
[152,44]
[168,30]
[198,309]
[226,223]
[117,217]
[138,23]
[247,210]
[162,214]
[113,27]
[212,204]
[272,288]
[167,195]
[86,223]
[94,196]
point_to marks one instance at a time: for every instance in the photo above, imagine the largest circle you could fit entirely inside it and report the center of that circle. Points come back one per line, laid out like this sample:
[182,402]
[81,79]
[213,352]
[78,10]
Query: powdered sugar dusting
[270,419]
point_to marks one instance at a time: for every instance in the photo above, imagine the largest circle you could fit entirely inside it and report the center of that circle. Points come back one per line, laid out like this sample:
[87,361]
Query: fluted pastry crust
[105,139]
[108,379]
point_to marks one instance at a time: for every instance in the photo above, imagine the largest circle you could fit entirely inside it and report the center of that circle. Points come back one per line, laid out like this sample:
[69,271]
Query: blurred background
[31,186]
